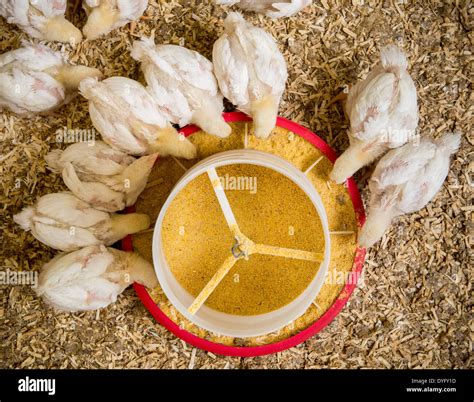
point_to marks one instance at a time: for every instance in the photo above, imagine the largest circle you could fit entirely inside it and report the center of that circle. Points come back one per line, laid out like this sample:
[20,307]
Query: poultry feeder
[229,324]
[207,299]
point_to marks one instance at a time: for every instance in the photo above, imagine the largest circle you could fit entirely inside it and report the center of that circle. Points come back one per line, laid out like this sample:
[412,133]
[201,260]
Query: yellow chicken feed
[277,213]
[270,209]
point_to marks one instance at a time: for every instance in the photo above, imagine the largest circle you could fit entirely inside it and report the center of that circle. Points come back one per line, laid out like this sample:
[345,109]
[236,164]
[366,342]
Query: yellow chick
[36,79]
[41,19]
[383,114]
[92,278]
[107,15]
[251,71]
[64,222]
[129,119]
[105,178]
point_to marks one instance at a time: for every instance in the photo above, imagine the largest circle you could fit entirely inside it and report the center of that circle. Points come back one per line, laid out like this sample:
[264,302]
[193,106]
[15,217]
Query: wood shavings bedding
[415,269]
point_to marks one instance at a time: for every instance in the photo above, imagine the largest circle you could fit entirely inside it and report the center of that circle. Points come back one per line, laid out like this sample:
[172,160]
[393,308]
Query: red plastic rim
[314,328]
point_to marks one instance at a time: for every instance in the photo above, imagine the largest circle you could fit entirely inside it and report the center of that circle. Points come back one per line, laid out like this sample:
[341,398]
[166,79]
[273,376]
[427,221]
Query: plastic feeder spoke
[232,259]
[341,232]
[223,270]
[287,253]
[243,247]
[223,201]
[247,247]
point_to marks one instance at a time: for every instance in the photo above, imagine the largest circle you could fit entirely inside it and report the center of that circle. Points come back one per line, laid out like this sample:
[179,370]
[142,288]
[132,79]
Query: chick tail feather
[60,29]
[169,142]
[264,114]
[232,20]
[24,217]
[100,22]
[89,86]
[375,226]
[211,121]
[142,48]
[449,143]
[53,160]
[287,9]
[393,59]
[353,158]
[125,224]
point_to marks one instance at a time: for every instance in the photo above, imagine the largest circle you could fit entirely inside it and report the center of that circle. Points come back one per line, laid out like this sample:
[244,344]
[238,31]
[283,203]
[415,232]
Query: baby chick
[271,8]
[92,278]
[41,19]
[64,222]
[107,15]
[383,113]
[182,83]
[37,79]
[107,179]
[251,71]
[129,119]
[404,181]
